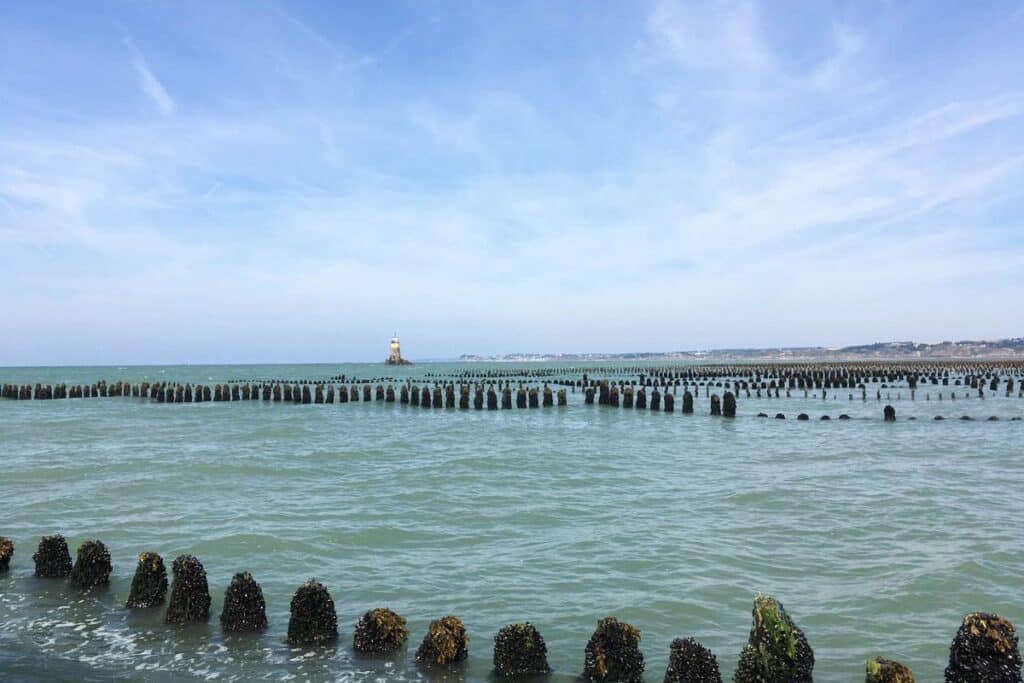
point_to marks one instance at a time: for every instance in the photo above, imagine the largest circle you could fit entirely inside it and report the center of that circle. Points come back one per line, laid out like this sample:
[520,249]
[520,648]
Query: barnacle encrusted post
[190,595]
[92,565]
[687,403]
[882,670]
[149,585]
[613,653]
[691,662]
[244,606]
[313,619]
[53,561]
[776,649]
[729,404]
[519,650]
[446,642]
[889,414]
[984,650]
[716,405]
[6,551]
[379,632]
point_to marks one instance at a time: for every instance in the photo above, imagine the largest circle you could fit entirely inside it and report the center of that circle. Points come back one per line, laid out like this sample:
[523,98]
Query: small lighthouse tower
[395,357]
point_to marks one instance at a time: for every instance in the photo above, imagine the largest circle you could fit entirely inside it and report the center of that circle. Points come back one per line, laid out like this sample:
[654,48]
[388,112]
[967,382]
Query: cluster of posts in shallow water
[495,394]
[984,649]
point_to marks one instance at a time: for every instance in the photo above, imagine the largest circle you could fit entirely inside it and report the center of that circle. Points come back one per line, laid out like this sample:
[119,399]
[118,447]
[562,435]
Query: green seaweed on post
[777,650]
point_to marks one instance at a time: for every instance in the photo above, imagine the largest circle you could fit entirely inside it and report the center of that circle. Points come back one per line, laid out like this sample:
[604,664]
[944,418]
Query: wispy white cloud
[713,35]
[148,82]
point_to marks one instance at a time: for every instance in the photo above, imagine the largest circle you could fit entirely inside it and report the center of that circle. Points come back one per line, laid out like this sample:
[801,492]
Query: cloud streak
[149,83]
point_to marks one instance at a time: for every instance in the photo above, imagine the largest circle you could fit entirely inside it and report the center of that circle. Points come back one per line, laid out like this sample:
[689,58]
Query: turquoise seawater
[877,537]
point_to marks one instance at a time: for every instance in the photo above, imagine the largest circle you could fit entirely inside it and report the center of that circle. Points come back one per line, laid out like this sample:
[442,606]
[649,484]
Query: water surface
[877,537]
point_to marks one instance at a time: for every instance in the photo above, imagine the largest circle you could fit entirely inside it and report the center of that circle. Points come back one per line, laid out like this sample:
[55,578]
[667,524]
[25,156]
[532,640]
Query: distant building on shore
[395,357]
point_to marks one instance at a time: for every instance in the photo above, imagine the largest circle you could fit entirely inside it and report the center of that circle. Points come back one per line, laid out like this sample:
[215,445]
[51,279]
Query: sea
[877,537]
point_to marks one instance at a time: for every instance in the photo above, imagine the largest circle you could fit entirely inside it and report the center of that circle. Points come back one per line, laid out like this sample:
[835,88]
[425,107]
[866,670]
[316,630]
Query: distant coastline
[896,350]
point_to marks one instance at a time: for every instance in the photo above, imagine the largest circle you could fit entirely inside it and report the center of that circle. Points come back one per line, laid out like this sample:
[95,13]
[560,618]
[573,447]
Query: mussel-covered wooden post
[190,594]
[446,642]
[463,397]
[687,403]
[627,397]
[437,396]
[561,397]
[729,404]
[53,561]
[379,632]
[889,414]
[716,405]
[149,585]
[641,399]
[6,552]
[881,670]
[691,662]
[613,653]
[520,650]
[670,402]
[776,650]
[492,399]
[92,566]
[244,606]
[478,398]
[985,650]
[403,395]
[549,397]
[655,400]
[313,619]
[379,394]
[533,398]
[506,398]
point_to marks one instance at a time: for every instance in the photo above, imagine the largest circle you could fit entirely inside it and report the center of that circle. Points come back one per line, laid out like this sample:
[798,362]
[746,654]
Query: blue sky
[217,182]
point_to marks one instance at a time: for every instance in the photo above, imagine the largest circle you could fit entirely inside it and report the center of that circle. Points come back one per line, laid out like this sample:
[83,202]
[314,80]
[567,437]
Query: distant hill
[896,350]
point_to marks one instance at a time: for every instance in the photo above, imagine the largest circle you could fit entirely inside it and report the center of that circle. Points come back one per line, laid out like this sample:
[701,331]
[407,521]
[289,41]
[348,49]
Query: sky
[214,182]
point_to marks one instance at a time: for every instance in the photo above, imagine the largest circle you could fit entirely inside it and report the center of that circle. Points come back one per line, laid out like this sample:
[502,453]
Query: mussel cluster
[984,650]
[613,653]
[244,606]
[52,558]
[92,566]
[190,594]
[149,585]
[6,551]
[691,662]
[379,632]
[446,642]
[519,650]
[313,620]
